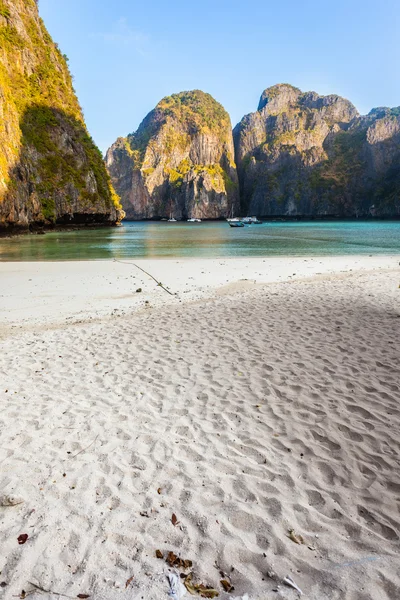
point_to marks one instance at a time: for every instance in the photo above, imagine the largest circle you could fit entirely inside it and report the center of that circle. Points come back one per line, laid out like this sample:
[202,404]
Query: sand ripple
[246,416]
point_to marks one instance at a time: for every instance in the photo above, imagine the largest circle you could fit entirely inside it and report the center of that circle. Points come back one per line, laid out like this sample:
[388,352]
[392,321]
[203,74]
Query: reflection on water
[207,240]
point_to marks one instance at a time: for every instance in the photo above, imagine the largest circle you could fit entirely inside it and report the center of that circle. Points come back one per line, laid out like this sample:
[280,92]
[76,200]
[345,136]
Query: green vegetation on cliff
[196,111]
[344,163]
[46,153]
[181,116]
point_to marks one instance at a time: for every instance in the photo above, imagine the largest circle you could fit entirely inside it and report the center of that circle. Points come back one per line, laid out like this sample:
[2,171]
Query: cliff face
[180,162]
[304,154]
[50,169]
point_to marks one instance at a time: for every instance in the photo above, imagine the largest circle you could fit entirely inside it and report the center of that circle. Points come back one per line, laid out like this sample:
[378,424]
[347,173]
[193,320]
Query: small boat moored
[251,221]
[233,219]
[194,220]
[234,223]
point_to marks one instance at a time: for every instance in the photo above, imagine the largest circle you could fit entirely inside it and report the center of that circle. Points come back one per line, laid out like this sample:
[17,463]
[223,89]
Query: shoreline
[262,257]
[56,292]
[16,231]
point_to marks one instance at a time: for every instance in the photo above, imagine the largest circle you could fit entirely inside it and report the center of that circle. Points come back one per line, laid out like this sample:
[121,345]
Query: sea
[207,240]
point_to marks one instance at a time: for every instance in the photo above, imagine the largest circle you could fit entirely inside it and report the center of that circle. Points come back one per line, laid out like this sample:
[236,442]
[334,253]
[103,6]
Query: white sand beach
[262,397]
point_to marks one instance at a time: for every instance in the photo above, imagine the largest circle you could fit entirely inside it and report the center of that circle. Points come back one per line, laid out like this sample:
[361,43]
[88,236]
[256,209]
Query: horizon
[122,70]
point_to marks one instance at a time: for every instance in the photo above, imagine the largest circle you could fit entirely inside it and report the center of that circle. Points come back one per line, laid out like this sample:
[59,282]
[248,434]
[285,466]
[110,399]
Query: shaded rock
[301,154]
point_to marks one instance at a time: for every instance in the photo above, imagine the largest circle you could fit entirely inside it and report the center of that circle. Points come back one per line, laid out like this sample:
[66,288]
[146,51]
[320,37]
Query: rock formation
[180,162]
[50,169]
[310,155]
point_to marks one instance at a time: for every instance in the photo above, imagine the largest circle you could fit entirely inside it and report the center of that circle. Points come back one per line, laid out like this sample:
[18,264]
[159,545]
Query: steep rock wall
[50,169]
[310,155]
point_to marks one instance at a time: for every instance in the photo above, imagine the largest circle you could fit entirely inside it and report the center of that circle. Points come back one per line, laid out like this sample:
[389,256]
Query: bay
[207,240]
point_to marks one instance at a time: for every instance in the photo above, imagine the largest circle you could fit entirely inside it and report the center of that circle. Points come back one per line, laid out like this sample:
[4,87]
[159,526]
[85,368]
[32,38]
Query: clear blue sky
[126,55]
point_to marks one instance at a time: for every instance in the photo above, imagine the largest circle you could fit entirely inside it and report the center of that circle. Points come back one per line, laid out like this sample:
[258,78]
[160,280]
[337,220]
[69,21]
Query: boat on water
[194,220]
[251,221]
[241,222]
[233,219]
[172,220]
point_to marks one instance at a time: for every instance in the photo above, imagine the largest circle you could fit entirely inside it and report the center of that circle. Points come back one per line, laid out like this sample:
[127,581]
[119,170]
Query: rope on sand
[149,274]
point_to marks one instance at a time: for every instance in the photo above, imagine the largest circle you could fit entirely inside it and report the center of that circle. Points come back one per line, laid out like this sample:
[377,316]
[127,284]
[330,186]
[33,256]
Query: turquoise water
[207,240]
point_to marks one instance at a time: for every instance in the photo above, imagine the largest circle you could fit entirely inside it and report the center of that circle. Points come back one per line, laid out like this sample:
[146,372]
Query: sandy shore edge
[48,293]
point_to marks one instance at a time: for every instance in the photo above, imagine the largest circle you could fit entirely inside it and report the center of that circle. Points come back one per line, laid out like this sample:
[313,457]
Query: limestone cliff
[50,169]
[180,161]
[310,155]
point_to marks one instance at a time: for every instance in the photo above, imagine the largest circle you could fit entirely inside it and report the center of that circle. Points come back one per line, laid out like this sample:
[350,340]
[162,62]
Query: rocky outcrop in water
[50,169]
[310,155]
[180,162]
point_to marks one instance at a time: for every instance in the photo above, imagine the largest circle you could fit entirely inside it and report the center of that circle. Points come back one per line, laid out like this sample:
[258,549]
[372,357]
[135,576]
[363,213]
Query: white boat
[194,220]
[233,219]
[172,220]
[251,221]
[235,223]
